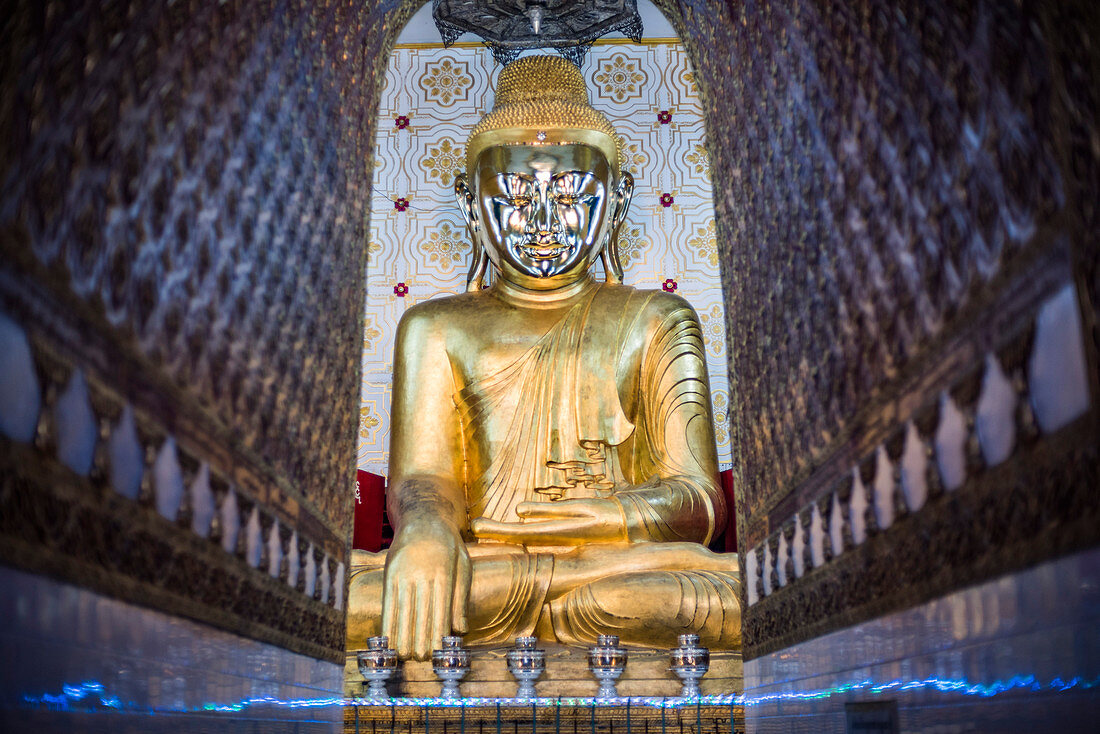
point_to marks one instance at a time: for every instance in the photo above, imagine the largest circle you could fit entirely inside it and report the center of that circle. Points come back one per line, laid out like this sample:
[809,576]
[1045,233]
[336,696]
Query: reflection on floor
[77,661]
[1020,653]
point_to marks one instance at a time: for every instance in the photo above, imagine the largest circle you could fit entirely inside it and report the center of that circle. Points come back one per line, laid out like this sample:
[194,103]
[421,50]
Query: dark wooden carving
[183,219]
[890,177]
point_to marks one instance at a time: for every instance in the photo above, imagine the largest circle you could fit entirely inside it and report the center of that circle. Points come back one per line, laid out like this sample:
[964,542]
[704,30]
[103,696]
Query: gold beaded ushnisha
[542,100]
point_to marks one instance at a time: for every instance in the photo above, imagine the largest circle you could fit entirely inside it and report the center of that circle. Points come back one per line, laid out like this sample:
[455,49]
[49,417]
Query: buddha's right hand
[427,583]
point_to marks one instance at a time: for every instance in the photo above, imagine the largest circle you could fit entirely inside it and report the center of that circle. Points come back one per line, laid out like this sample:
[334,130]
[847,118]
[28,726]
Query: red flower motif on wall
[400,290]
[401,122]
[669,285]
[402,204]
[664,117]
[667,199]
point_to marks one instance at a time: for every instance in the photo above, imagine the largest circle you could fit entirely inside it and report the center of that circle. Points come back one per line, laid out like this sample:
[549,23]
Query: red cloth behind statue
[731,505]
[370,499]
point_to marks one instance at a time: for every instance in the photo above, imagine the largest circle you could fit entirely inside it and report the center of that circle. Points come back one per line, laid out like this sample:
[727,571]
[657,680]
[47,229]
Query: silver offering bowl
[606,661]
[690,663]
[451,664]
[377,664]
[526,664]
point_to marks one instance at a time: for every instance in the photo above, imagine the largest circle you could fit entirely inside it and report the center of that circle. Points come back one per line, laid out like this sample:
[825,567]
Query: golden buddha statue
[553,468]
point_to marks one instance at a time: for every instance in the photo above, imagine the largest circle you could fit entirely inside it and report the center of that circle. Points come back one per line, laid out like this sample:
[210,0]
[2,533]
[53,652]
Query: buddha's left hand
[568,522]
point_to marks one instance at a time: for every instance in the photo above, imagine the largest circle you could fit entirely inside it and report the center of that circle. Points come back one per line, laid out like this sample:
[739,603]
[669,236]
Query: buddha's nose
[541,220]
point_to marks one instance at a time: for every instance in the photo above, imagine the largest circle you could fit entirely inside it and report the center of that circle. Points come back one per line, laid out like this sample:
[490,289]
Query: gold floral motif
[721,434]
[620,78]
[688,78]
[718,399]
[632,243]
[370,333]
[714,332]
[367,422]
[446,81]
[444,161]
[634,157]
[700,160]
[705,244]
[447,246]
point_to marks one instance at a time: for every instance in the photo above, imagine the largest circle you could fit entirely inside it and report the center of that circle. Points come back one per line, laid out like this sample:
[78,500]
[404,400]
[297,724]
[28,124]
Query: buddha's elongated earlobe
[612,264]
[612,267]
[475,279]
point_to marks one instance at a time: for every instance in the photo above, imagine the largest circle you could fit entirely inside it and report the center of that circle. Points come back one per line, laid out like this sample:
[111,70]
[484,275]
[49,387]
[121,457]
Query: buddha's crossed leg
[646,593]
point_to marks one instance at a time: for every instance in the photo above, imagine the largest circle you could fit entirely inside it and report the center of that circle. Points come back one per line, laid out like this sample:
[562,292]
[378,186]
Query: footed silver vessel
[606,661]
[451,664]
[377,664]
[526,663]
[690,662]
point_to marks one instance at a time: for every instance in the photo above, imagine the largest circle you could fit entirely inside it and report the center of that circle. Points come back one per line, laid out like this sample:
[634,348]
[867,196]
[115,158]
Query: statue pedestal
[580,718]
[566,675]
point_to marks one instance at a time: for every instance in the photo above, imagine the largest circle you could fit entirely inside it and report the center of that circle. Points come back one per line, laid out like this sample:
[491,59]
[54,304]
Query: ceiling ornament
[510,27]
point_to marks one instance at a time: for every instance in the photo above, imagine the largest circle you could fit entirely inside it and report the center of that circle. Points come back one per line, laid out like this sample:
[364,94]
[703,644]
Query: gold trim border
[424,46]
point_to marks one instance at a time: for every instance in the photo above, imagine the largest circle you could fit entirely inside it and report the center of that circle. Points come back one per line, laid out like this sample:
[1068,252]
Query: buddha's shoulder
[651,304]
[443,312]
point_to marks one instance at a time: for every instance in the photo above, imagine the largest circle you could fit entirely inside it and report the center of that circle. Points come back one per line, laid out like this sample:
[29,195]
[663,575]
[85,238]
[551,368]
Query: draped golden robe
[608,397]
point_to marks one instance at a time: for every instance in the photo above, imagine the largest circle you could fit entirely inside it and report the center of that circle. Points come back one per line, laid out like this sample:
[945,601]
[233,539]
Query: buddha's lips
[543,251]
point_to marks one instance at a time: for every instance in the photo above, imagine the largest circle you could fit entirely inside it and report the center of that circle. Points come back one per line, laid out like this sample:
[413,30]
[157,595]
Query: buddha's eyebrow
[525,177]
[577,178]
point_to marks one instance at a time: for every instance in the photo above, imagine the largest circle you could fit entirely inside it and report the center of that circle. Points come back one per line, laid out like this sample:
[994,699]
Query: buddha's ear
[624,193]
[475,279]
[466,203]
[620,204]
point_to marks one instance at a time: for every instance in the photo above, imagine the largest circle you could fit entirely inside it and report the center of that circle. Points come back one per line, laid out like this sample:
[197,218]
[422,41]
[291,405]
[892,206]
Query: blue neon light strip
[92,696]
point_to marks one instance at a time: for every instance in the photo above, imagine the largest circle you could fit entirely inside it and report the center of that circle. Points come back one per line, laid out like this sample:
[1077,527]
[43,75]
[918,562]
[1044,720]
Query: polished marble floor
[1017,654]
[77,661]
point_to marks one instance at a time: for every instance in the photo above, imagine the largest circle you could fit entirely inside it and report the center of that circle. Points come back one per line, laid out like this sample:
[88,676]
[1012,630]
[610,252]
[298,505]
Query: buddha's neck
[554,298]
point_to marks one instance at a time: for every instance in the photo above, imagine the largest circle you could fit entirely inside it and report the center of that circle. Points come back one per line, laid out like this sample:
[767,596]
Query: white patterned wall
[419,248]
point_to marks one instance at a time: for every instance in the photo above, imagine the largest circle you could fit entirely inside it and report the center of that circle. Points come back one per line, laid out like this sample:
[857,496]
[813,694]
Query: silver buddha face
[543,211]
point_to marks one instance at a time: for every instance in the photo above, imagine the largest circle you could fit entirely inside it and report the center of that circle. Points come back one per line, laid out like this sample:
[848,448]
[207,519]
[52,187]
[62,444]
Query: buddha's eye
[573,199]
[515,202]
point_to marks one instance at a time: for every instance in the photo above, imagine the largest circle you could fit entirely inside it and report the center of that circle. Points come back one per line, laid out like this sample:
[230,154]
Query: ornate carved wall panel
[906,218]
[183,228]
